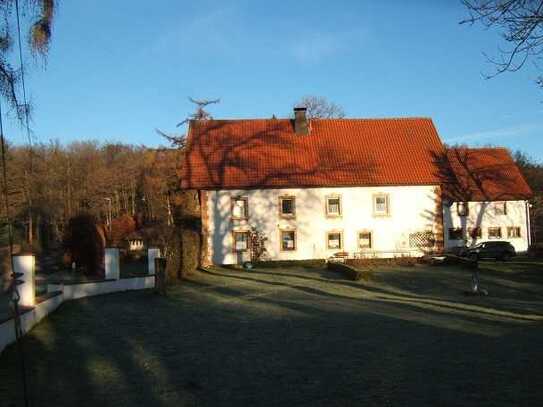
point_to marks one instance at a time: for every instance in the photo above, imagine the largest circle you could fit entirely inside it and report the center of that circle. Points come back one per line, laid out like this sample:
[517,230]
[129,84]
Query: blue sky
[119,69]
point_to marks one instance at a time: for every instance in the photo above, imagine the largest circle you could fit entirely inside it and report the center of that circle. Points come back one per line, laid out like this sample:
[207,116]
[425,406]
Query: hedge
[314,263]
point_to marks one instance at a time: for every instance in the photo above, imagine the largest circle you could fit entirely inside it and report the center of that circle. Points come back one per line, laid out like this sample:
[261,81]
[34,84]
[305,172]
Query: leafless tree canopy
[520,22]
[318,107]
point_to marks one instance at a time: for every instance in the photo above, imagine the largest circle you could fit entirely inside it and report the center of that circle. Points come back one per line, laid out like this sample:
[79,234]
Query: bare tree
[200,113]
[520,22]
[318,107]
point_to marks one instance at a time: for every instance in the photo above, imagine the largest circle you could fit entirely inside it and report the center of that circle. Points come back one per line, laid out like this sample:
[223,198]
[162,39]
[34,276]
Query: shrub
[404,261]
[84,242]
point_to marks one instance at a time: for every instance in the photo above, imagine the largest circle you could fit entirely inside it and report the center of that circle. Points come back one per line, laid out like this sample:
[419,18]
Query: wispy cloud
[490,136]
[317,46]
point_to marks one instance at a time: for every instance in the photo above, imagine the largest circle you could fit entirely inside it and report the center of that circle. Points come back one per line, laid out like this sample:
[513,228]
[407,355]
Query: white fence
[57,293]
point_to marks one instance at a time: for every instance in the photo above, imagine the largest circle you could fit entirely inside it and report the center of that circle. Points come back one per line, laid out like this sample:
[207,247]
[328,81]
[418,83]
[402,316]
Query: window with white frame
[494,233]
[240,207]
[381,205]
[365,239]
[513,232]
[288,240]
[287,206]
[334,240]
[333,205]
[462,208]
[500,208]
[241,241]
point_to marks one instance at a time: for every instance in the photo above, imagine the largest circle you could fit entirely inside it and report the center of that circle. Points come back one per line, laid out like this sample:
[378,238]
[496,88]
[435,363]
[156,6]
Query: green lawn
[295,336]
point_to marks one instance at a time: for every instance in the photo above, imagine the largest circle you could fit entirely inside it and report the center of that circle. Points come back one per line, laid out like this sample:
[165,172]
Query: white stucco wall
[412,209]
[483,214]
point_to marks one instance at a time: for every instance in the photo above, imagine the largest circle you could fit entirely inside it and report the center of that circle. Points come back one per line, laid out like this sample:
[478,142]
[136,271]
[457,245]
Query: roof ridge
[321,118]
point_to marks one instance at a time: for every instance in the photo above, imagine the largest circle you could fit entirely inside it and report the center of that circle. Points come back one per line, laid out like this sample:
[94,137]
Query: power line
[22,73]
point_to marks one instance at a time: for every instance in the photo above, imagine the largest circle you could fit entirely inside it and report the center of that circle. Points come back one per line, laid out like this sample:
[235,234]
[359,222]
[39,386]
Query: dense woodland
[51,184]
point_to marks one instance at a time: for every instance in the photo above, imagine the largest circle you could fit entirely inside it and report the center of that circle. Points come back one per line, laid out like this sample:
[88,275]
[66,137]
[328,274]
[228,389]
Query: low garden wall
[35,309]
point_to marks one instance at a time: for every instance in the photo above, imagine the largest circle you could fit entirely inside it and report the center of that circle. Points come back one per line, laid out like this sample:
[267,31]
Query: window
[500,208]
[475,233]
[513,231]
[381,205]
[288,240]
[456,234]
[333,205]
[334,240]
[240,208]
[287,206]
[462,208]
[365,240]
[495,233]
[241,241]
[422,239]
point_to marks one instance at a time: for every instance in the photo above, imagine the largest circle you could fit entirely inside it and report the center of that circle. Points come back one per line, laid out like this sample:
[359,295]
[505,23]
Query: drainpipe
[528,223]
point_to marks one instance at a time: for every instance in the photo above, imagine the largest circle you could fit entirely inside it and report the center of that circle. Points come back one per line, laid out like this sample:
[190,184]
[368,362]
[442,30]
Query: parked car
[491,250]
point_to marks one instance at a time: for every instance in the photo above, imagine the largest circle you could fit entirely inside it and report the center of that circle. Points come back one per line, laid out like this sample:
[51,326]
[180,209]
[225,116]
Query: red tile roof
[485,174]
[242,154]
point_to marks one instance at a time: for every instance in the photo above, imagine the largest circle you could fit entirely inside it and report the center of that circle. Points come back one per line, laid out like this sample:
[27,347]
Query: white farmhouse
[358,187]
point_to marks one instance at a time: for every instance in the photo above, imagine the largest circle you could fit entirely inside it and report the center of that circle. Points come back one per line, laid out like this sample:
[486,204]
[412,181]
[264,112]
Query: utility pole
[108,218]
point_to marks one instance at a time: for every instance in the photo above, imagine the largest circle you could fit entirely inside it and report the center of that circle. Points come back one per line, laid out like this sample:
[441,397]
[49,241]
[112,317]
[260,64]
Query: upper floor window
[240,207]
[334,240]
[288,240]
[500,208]
[287,206]
[494,233]
[241,241]
[333,205]
[381,205]
[365,240]
[513,231]
[462,208]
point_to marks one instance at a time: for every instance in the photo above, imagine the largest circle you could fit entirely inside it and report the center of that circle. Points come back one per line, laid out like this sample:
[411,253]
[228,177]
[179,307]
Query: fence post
[111,258]
[26,264]
[160,276]
[152,254]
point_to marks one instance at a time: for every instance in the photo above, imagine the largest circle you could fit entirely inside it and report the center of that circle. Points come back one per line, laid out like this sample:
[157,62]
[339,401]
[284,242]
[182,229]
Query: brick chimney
[301,126]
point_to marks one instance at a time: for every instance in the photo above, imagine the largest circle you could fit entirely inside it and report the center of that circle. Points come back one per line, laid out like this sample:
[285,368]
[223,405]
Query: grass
[295,336]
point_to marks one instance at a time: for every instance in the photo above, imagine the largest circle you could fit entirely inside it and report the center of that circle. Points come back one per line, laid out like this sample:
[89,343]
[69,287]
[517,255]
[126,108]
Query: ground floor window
[288,240]
[334,240]
[513,231]
[494,233]
[241,241]
[456,234]
[365,240]
[475,233]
